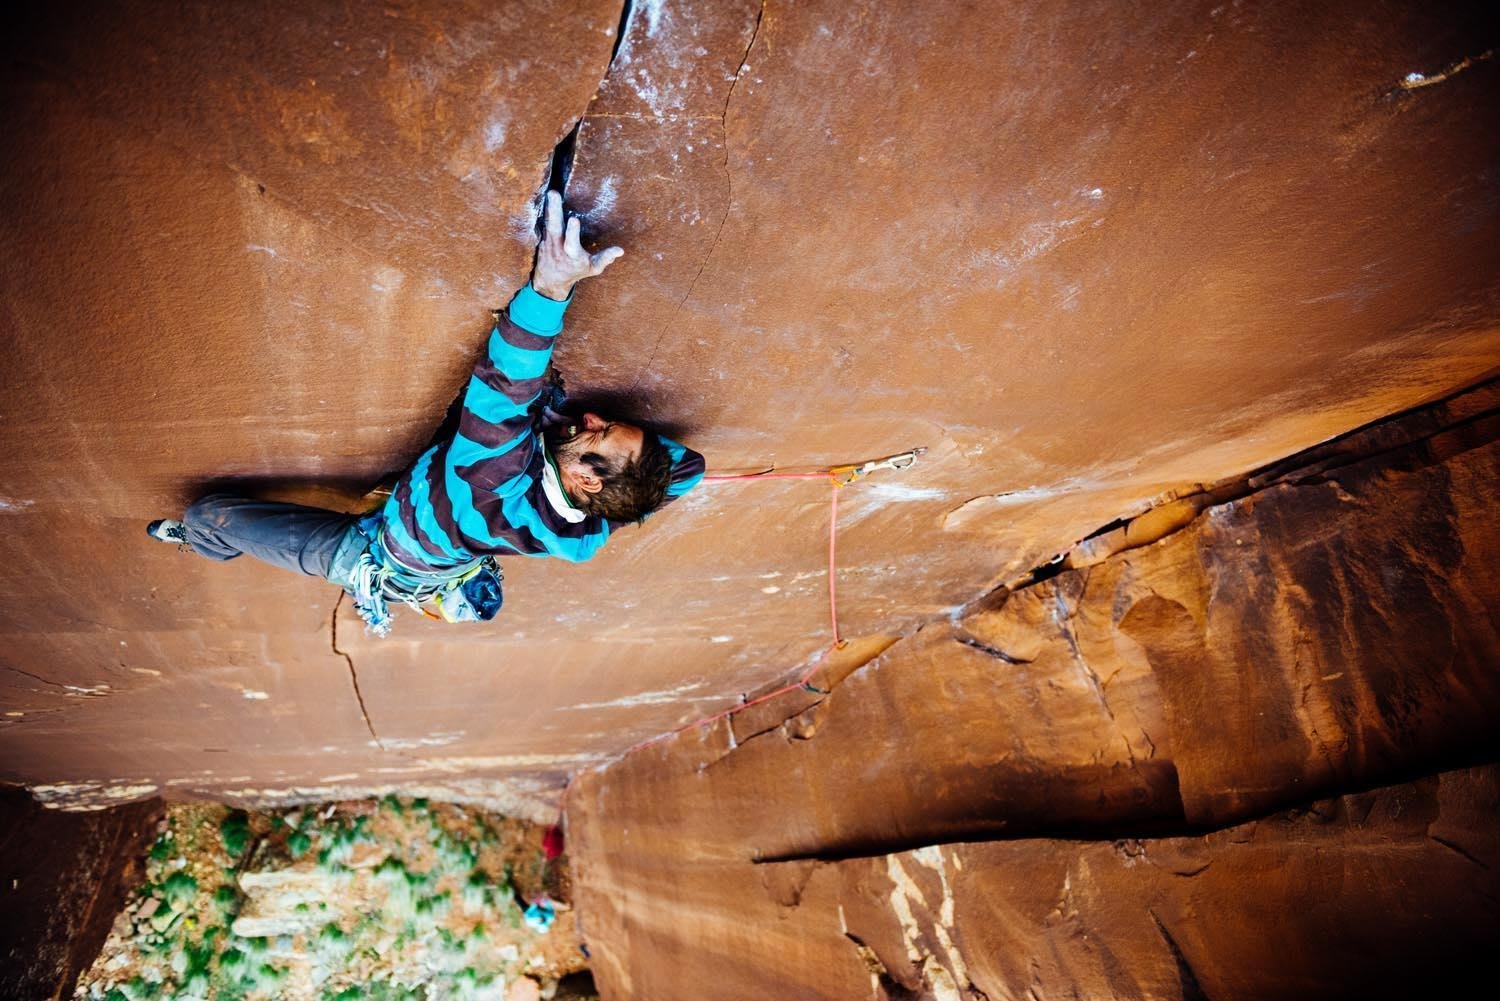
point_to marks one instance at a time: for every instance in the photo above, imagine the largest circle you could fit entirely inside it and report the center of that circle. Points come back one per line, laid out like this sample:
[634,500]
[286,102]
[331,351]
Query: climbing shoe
[167,530]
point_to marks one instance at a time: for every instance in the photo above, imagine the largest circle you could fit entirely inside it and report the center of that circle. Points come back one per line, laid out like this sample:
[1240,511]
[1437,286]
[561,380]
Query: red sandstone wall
[1383,894]
[1171,754]
[1086,253]
[63,878]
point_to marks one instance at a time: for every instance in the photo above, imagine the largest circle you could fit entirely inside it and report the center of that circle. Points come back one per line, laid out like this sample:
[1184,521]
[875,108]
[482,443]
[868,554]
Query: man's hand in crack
[561,260]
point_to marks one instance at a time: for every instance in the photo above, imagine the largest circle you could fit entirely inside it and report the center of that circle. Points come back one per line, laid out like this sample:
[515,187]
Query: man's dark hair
[635,489]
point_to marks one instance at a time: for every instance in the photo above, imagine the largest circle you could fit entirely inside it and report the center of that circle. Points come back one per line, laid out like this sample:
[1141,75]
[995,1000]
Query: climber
[519,475]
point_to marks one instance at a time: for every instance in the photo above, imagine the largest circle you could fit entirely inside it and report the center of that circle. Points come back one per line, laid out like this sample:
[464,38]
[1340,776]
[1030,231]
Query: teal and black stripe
[480,492]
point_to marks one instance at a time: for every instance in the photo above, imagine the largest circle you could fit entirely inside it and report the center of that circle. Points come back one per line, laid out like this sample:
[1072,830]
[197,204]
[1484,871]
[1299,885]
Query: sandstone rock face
[1089,254]
[1329,631]
[63,878]
[1388,893]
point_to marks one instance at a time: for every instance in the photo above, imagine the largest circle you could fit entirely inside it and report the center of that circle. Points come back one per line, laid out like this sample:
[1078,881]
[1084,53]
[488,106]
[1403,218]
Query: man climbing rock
[517,476]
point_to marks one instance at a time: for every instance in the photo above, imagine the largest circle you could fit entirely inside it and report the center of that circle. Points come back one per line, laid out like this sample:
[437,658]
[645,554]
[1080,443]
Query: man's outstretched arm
[561,261]
[494,441]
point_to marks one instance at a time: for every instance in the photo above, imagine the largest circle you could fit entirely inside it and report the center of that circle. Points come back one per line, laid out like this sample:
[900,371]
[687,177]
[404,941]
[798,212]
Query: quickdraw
[845,475]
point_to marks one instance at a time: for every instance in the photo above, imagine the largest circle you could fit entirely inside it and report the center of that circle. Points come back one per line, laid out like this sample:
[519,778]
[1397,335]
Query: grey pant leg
[221,527]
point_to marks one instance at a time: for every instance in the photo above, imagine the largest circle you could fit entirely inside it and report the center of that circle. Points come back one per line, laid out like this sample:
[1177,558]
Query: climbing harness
[376,578]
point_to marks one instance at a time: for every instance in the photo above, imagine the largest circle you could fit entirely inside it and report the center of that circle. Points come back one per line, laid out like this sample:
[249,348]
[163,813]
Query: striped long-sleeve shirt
[481,492]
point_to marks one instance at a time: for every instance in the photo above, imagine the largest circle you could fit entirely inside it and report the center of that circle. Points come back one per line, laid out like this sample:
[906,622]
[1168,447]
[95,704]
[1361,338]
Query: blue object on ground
[540,915]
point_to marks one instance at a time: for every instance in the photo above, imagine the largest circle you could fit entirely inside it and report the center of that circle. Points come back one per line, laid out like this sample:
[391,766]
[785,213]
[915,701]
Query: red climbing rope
[833,605]
[769,474]
[838,476]
[802,683]
[833,520]
[805,680]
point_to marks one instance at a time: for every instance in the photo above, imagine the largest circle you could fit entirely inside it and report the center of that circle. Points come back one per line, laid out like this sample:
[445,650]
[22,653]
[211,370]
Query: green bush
[297,843]
[233,963]
[235,831]
[161,848]
[226,898]
[178,890]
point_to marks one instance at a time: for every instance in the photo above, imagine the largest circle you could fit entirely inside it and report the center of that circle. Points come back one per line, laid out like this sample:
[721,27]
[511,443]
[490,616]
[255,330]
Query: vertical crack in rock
[560,163]
[560,166]
[880,977]
[1309,718]
[728,199]
[1453,847]
[1063,616]
[1035,968]
[724,133]
[333,641]
[627,11]
[1188,980]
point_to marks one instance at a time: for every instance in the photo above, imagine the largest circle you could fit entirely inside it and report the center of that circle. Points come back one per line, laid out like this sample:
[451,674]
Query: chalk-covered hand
[561,260]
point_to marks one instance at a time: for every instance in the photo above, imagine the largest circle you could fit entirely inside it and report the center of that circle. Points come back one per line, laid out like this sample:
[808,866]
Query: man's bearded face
[593,445]
[569,446]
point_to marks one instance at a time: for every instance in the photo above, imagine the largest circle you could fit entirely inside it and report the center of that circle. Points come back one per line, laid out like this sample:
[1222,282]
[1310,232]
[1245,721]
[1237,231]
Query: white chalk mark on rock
[660,696]
[943,975]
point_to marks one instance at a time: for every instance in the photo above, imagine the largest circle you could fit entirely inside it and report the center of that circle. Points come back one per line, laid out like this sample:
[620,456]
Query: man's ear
[588,482]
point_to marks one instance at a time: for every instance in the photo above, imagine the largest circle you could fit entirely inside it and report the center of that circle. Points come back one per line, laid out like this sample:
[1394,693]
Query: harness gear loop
[376,579]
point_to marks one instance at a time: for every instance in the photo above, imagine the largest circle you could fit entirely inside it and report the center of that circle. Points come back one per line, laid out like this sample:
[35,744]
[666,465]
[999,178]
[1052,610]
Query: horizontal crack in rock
[987,650]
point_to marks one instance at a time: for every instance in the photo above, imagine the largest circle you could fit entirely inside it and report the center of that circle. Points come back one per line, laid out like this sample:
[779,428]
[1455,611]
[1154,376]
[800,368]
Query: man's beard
[570,450]
[562,441]
[565,443]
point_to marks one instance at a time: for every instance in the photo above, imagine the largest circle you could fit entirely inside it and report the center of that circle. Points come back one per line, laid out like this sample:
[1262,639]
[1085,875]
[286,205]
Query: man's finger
[605,258]
[554,212]
[572,244]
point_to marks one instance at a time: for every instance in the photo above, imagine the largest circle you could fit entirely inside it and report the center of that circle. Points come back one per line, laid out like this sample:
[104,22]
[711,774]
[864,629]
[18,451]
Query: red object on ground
[552,842]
